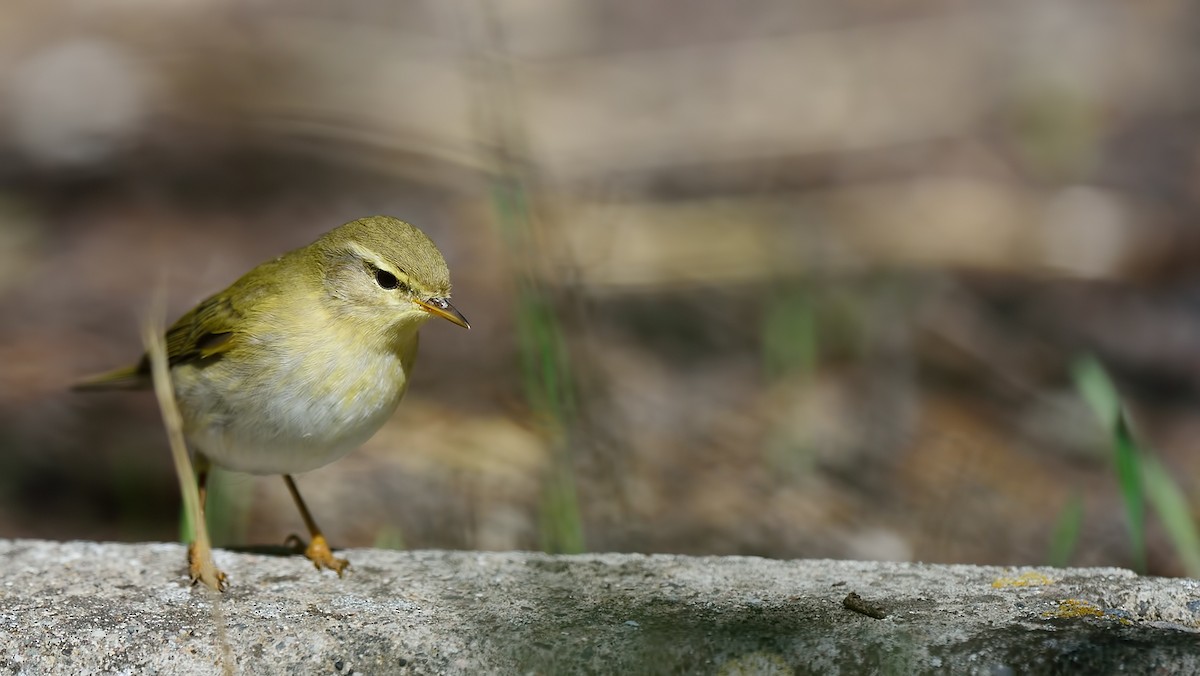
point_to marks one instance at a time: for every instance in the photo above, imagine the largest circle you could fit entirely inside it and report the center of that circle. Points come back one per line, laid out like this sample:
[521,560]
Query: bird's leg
[200,556]
[317,550]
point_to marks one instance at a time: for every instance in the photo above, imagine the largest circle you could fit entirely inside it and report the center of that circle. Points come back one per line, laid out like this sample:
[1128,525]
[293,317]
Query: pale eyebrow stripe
[373,258]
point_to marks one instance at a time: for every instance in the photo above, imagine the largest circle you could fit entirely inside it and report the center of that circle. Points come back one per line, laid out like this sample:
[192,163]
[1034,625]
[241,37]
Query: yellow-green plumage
[304,357]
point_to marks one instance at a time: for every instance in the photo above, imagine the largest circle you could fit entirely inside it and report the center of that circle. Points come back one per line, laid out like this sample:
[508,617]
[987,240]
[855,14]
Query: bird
[302,359]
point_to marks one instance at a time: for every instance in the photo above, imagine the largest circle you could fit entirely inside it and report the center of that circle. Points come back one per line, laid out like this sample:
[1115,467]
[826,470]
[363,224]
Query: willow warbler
[302,359]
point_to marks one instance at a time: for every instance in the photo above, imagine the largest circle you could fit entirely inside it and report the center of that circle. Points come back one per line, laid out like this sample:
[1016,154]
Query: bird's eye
[386,280]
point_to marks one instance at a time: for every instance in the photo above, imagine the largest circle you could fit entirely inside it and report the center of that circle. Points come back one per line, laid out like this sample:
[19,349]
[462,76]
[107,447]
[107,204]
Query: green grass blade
[546,374]
[228,506]
[187,529]
[561,522]
[226,509]
[1129,478]
[1066,532]
[1172,507]
[790,335]
[1099,392]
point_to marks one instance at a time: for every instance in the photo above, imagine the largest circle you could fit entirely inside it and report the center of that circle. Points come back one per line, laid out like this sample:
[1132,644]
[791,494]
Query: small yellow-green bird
[305,357]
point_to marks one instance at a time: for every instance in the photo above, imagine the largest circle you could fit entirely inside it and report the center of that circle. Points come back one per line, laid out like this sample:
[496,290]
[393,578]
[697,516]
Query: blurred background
[867,279]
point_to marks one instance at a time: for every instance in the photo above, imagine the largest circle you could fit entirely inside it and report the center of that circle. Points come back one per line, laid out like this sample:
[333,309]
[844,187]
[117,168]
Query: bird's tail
[128,378]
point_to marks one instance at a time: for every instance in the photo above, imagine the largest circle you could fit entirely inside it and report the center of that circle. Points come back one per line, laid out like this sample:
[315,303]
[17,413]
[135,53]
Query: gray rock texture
[81,607]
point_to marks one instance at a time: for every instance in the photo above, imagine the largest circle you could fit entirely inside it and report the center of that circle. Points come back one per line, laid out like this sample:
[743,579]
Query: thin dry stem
[214,579]
[152,336]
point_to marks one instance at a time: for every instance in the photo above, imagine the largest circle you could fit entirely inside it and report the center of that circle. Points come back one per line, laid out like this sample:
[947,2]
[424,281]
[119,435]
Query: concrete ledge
[85,607]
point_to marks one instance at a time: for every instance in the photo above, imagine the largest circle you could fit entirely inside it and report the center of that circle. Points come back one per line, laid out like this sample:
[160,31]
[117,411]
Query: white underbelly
[282,449]
[306,418]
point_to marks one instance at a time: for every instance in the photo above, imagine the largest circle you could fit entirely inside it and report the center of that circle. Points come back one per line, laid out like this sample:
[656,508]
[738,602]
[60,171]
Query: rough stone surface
[80,607]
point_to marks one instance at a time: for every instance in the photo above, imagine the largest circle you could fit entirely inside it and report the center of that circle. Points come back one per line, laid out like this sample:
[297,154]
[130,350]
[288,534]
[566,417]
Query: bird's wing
[205,332]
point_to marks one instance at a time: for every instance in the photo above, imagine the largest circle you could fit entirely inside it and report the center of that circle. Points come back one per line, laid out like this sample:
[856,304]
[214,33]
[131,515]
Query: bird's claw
[202,569]
[318,552]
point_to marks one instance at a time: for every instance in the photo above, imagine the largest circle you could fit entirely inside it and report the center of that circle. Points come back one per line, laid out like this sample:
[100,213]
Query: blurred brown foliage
[820,268]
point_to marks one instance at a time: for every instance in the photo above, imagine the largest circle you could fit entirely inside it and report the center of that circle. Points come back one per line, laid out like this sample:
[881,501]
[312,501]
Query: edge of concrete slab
[69,607]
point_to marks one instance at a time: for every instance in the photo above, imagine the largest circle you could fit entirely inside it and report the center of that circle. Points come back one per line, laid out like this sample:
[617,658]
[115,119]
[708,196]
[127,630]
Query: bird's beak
[440,307]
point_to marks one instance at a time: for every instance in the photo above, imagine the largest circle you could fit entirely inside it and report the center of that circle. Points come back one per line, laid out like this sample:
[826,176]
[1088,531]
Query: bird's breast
[299,409]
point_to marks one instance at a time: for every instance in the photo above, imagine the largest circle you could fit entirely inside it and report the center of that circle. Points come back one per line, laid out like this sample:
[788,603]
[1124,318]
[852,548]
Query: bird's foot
[319,553]
[202,569]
